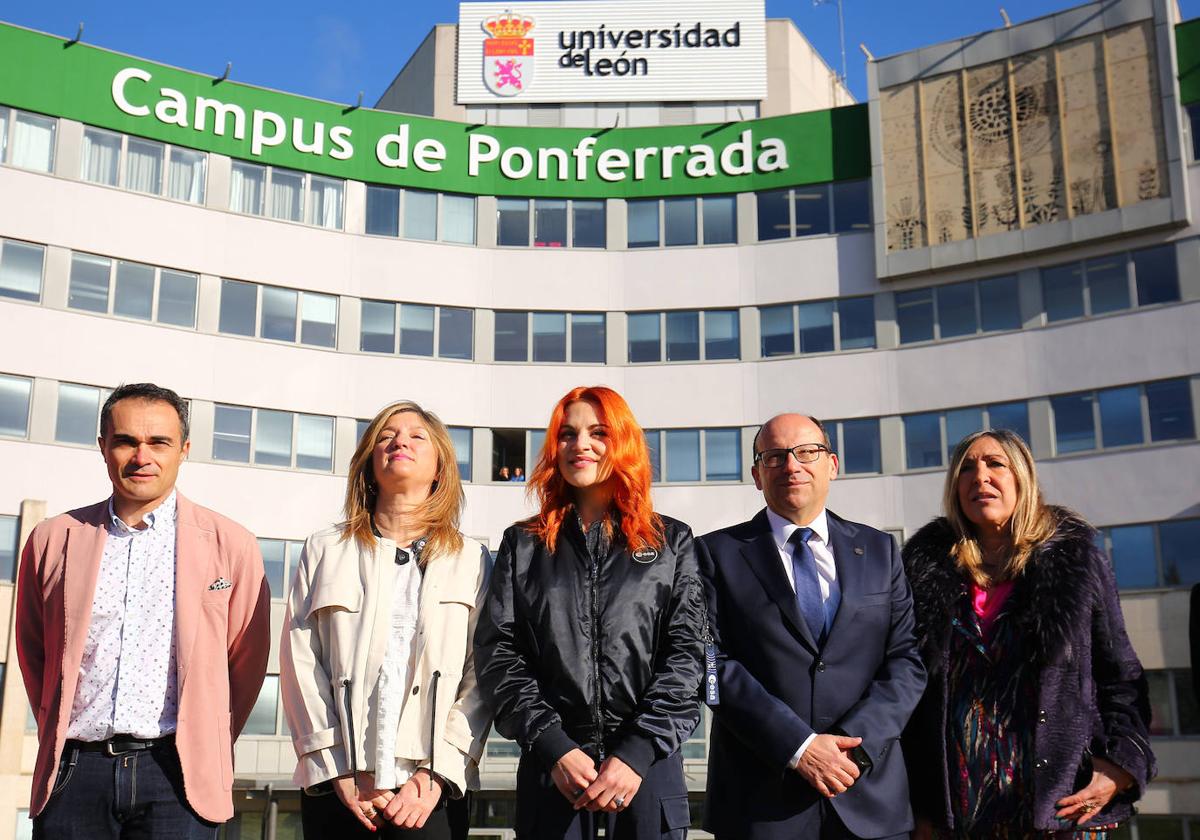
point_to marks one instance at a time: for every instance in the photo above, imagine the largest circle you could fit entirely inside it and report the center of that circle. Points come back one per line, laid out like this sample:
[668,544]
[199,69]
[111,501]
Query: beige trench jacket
[335,636]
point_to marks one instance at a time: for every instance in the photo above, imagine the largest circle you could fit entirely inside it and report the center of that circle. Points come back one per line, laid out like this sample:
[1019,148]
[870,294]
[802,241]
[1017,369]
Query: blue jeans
[133,796]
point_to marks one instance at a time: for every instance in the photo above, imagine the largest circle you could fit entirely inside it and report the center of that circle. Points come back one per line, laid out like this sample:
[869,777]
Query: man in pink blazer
[143,628]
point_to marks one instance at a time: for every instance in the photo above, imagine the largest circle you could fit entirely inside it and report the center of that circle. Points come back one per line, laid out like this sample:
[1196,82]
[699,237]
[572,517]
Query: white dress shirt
[831,594]
[127,678]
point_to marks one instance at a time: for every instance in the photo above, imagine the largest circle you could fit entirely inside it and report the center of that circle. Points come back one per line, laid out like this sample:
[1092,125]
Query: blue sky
[333,51]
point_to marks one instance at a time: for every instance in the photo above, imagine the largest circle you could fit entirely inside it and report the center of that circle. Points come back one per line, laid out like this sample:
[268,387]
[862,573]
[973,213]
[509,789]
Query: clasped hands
[609,788]
[827,766]
[408,807]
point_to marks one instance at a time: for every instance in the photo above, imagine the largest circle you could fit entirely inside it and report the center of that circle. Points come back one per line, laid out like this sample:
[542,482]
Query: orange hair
[625,468]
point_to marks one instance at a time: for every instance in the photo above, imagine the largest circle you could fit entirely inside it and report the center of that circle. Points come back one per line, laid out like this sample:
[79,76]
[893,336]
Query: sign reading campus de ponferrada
[612,51]
[108,90]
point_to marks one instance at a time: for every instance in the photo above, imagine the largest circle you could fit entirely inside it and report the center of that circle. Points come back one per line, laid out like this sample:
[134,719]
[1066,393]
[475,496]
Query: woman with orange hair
[589,647]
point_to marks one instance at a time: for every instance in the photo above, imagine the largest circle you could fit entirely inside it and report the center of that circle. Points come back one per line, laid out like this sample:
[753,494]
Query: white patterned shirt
[127,678]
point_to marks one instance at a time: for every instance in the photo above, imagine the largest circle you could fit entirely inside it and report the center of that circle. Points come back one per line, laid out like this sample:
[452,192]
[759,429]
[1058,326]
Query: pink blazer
[223,639]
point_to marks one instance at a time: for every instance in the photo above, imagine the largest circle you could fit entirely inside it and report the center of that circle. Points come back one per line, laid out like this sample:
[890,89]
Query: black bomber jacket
[598,649]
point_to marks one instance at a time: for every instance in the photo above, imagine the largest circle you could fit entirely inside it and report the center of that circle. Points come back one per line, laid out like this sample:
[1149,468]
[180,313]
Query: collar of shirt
[782,529]
[165,512]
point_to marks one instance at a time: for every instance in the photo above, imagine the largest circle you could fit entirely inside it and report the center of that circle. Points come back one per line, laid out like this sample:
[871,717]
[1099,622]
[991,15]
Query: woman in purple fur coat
[1034,722]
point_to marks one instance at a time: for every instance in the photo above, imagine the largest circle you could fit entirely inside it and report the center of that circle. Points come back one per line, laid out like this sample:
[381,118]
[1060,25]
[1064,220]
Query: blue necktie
[808,587]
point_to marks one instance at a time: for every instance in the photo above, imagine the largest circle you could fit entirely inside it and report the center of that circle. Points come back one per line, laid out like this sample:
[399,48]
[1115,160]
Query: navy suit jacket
[777,686]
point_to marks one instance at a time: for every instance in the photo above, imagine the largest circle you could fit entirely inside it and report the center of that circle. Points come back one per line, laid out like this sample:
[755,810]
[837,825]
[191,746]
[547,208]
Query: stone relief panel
[1038,138]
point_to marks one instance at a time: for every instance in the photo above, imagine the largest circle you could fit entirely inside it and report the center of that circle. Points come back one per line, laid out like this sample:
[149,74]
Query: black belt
[121,744]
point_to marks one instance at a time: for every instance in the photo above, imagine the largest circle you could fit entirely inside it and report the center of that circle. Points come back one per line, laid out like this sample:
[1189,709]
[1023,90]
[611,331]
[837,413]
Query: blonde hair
[1032,520]
[437,518]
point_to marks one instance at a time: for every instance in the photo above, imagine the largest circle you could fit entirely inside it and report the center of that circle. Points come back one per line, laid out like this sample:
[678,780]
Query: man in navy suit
[816,667]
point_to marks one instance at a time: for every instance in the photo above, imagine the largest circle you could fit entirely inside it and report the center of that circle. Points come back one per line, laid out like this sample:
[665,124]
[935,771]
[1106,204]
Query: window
[922,441]
[101,156]
[185,174]
[276,438]
[816,326]
[1134,558]
[9,533]
[960,423]
[427,215]
[722,334]
[30,140]
[642,218]
[1108,284]
[512,221]
[14,406]
[821,326]
[672,222]
[914,314]
[1074,423]
[777,330]
[549,337]
[589,223]
[856,443]
[420,215]
[231,433]
[1156,275]
[456,333]
[78,418]
[720,219]
[239,307]
[461,439]
[812,210]
[1170,409]
[683,336]
[1119,417]
[588,340]
[688,336]
[416,330]
[723,455]
[679,221]
[685,455]
[682,454]
[280,557]
[999,304]
[1179,542]
[144,166]
[550,223]
[287,195]
[264,714]
[956,310]
[287,315]
[21,270]
[133,295]
[1013,416]
[510,448]
[840,207]
[89,283]
[1173,709]
[851,206]
[644,336]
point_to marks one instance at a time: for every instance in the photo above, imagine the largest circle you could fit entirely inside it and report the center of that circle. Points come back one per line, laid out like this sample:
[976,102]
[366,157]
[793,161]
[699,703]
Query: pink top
[988,603]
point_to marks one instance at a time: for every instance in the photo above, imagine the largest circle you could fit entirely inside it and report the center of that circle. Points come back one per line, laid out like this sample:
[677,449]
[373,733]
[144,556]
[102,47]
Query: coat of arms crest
[508,54]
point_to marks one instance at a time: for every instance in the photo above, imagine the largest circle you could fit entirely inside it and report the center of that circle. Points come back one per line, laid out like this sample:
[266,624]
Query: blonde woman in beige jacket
[377,673]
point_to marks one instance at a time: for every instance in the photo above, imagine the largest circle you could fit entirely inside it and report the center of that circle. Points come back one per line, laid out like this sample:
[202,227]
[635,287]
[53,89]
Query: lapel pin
[645,555]
[858,549]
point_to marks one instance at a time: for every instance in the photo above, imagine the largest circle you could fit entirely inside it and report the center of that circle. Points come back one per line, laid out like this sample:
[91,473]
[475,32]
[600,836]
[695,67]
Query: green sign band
[76,81]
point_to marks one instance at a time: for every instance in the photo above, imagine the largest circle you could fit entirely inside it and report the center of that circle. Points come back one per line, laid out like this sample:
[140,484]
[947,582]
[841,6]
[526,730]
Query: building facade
[1001,237]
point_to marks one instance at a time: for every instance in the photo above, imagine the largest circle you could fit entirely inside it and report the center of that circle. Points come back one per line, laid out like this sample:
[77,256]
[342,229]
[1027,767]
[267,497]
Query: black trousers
[322,816]
[659,811]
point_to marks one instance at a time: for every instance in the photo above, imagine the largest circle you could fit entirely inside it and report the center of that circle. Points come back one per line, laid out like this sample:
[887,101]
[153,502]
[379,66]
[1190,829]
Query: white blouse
[396,676]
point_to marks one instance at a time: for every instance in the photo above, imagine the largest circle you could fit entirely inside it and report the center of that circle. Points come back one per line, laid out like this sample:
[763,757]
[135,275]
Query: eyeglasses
[805,453]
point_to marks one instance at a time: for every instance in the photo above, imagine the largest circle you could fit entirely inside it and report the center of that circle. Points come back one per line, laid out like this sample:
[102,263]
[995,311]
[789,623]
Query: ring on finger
[620,801]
